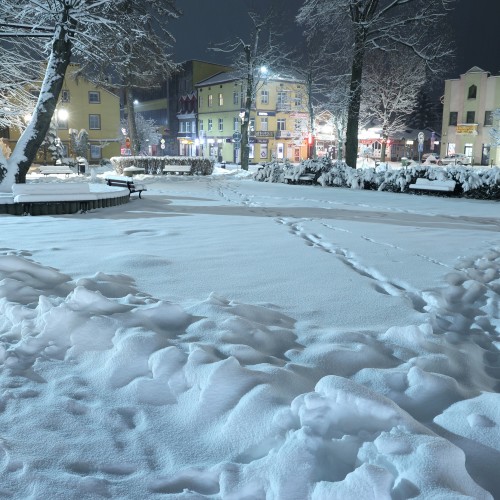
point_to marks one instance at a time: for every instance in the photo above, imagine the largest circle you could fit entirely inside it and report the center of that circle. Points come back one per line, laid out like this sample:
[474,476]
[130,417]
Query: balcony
[283,106]
[284,134]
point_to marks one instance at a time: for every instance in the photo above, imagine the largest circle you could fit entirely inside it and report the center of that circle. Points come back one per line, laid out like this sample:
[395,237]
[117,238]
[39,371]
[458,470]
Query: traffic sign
[421,137]
[237,137]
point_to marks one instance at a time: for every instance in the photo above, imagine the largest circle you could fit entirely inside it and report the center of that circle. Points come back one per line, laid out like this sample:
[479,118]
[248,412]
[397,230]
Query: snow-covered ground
[228,339]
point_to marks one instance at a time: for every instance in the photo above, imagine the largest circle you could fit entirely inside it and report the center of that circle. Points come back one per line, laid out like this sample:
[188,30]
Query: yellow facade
[82,105]
[279,121]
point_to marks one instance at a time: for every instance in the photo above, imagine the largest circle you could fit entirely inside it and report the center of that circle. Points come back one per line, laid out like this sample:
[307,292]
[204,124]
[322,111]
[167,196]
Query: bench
[57,169]
[177,169]
[127,183]
[433,185]
[292,178]
[54,193]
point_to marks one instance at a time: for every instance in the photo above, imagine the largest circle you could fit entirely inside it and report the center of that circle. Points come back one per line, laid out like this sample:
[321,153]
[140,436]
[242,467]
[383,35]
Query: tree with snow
[79,141]
[391,84]
[146,129]
[139,58]
[353,28]
[76,28]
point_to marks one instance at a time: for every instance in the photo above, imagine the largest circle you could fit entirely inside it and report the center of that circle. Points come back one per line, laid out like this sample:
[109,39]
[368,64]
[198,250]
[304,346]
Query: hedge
[472,182]
[154,164]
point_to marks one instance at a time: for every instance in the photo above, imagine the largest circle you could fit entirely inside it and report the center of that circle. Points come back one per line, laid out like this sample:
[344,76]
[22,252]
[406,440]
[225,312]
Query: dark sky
[474,24]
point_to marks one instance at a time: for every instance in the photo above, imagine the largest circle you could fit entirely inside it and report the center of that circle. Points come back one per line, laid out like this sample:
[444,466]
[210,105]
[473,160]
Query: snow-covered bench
[55,169]
[177,169]
[433,185]
[127,183]
[293,178]
[53,193]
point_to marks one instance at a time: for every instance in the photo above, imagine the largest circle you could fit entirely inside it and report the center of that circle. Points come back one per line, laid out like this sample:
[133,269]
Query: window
[210,124]
[236,124]
[210,100]
[236,98]
[200,100]
[471,117]
[264,96]
[200,125]
[95,152]
[221,125]
[95,122]
[472,92]
[65,95]
[188,127]
[488,118]
[298,100]
[221,100]
[281,124]
[94,97]
[453,118]
[251,124]
[263,123]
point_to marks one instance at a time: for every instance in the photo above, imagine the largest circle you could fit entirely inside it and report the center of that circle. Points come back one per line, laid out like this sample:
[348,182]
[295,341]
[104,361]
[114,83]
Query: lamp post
[61,116]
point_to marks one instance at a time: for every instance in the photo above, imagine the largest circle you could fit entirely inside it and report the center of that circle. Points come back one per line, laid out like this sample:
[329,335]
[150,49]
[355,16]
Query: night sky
[474,24]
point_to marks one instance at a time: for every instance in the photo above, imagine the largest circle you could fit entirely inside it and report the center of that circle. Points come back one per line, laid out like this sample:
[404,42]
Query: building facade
[82,105]
[468,106]
[173,106]
[279,120]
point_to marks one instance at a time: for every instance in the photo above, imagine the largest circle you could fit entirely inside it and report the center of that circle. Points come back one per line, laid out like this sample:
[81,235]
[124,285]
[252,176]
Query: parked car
[430,158]
[456,159]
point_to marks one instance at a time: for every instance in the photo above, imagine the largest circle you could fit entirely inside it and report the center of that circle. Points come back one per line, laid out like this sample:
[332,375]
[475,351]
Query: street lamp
[61,115]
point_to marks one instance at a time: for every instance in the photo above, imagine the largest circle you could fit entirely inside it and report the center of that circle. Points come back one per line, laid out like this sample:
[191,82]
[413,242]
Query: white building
[468,106]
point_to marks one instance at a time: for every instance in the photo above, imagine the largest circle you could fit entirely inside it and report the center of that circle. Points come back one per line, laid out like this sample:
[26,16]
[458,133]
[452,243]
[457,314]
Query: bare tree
[355,27]
[391,84]
[313,65]
[259,58]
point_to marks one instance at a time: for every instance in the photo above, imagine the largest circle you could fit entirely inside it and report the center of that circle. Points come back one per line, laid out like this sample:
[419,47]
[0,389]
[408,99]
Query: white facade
[469,102]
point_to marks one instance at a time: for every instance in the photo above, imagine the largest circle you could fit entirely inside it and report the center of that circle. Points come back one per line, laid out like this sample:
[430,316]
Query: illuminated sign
[467,129]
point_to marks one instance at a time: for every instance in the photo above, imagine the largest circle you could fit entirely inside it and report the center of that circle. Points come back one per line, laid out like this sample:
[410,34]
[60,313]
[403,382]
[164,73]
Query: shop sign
[467,129]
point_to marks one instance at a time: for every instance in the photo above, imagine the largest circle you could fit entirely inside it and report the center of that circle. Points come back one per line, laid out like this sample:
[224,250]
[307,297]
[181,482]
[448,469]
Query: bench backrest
[51,188]
[120,182]
[424,181]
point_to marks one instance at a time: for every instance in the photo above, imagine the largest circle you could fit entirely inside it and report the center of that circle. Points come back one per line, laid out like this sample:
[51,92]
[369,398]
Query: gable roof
[476,69]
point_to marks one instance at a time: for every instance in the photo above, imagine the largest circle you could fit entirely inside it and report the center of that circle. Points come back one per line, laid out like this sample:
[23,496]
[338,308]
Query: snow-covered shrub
[154,164]
[270,172]
[472,182]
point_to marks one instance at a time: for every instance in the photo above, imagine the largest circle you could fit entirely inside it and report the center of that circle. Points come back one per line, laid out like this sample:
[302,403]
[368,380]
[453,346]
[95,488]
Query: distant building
[174,108]
[82,105]
[402,144]
[279,120]
[468,106]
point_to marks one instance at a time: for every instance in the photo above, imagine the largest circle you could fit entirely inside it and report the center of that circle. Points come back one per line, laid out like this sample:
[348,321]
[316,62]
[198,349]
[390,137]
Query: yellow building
[469,103]
[279,120]
[82,105]
[173,107]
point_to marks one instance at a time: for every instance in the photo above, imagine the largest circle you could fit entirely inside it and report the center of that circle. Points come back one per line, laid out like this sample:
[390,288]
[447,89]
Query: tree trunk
[132,126]
[34,135]
[351,146]
[384,148]
[245,139]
